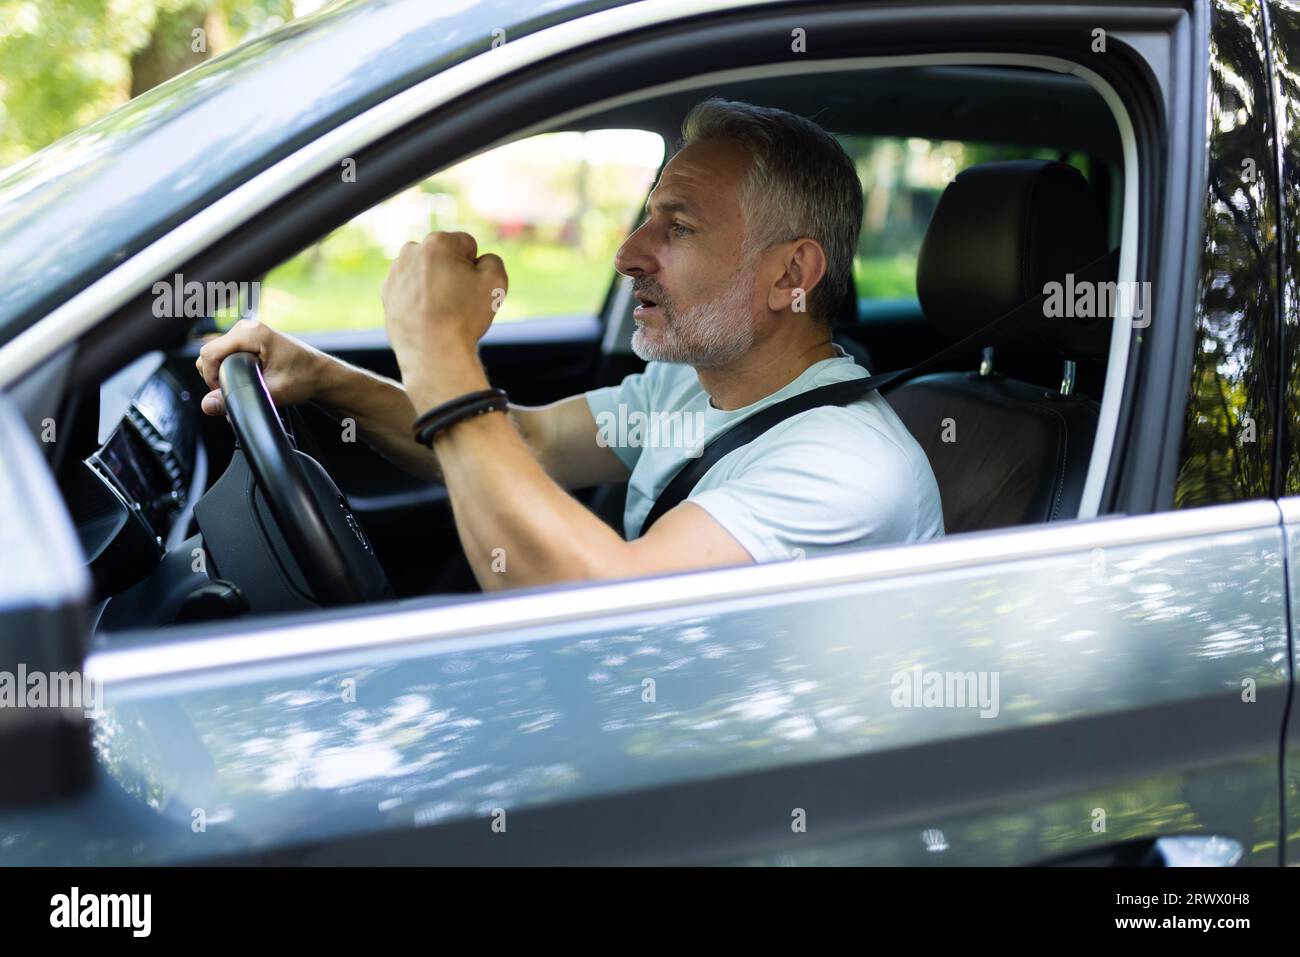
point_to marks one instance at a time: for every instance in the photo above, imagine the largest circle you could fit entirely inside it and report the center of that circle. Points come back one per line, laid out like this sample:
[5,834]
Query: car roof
[73,211]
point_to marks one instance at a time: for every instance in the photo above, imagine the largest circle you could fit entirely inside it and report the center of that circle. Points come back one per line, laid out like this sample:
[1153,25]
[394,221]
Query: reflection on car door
[1013,697]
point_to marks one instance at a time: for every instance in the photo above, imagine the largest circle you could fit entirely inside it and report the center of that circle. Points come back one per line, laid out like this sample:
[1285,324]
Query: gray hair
[801,184]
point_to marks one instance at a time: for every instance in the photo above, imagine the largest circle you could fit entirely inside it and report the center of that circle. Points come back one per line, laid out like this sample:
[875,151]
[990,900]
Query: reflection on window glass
[555,207]
[902,180]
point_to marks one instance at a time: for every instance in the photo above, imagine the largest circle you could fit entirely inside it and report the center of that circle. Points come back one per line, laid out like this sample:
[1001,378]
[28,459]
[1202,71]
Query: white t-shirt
[826,478]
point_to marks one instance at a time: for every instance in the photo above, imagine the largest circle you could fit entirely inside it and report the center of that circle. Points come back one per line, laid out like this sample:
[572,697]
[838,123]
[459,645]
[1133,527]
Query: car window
[554,206]
[902,179]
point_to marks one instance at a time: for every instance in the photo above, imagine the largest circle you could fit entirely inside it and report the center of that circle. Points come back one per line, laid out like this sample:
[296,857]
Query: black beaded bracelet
[457,410]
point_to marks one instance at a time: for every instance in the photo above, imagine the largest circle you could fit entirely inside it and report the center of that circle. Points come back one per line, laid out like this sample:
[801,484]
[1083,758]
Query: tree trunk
[171,47]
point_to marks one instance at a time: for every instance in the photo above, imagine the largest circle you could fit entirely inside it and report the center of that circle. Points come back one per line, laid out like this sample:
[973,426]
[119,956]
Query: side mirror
[46,700]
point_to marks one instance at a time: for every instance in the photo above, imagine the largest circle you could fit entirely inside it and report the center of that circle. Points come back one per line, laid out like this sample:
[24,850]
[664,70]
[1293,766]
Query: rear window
[902,179]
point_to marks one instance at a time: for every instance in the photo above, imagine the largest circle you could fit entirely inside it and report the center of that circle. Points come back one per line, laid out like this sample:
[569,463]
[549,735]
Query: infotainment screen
[161,402]
[158,403]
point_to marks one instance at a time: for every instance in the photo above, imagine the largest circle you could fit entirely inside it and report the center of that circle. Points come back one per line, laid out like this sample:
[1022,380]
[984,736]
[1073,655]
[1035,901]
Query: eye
[679,229]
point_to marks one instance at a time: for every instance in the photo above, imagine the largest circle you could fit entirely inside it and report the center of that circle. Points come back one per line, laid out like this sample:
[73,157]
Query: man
[746,250]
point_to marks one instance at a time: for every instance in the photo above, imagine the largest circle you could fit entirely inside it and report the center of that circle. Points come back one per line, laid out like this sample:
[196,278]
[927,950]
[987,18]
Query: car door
[1017,697]
[1098,691]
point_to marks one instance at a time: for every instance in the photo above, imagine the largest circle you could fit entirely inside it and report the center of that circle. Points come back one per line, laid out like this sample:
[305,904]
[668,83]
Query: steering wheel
[312,514]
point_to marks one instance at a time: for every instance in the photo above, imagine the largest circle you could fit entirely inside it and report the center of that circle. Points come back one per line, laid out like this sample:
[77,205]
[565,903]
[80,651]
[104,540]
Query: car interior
[183,518]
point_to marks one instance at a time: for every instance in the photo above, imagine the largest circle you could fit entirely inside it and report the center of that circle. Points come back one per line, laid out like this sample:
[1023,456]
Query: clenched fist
[440,296]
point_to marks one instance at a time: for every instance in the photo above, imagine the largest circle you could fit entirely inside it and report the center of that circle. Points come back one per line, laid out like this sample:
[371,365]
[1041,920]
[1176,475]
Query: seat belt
[842,393]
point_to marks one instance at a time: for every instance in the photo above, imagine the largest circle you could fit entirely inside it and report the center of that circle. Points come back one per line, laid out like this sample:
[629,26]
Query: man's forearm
[516,524]
[383,414]
[544,533]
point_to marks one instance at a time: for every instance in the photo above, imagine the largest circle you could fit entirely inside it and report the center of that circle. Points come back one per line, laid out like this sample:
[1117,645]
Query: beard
[707,335]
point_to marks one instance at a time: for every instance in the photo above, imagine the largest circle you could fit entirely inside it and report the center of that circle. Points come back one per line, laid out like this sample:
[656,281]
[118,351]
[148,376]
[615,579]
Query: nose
[634,258]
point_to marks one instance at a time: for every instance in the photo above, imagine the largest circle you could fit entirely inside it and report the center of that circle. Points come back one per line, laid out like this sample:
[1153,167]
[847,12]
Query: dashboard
[132,498]
[149,457]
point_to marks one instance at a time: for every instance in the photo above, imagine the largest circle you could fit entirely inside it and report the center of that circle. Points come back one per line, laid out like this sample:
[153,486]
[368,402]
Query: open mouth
[645,306]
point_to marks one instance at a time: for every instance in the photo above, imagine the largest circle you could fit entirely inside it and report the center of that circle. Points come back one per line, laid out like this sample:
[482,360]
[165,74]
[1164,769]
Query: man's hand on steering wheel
[292,369]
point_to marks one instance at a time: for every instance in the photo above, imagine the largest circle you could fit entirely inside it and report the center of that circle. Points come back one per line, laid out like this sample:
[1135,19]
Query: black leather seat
[1006,452]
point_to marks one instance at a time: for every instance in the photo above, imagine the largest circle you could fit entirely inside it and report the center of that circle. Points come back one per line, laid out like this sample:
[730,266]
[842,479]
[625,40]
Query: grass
[545,280]
[885,277]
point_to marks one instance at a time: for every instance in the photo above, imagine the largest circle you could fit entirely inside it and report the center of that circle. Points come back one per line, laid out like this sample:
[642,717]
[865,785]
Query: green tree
[64,63]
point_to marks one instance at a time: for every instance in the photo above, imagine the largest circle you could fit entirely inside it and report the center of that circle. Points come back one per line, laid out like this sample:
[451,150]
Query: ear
[803,266]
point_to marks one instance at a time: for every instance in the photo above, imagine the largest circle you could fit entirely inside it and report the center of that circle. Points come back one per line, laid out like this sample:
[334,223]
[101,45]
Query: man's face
[696,290]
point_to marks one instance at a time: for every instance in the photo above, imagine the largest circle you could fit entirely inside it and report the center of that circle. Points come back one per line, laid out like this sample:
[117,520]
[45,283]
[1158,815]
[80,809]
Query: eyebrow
[672,206]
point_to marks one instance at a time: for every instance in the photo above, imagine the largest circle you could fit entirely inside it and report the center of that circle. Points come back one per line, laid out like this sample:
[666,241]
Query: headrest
[1000,233]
